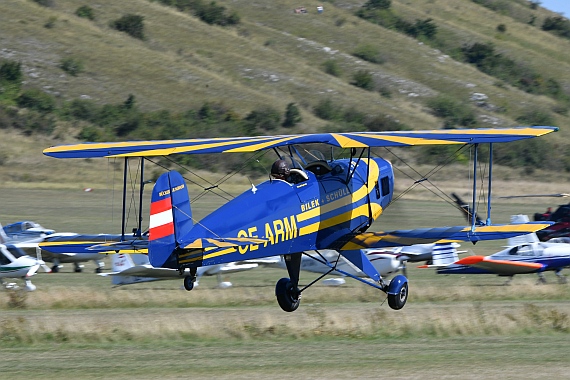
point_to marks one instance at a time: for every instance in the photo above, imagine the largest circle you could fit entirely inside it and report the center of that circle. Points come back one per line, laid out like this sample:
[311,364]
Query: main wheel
[397,292]
[188,283]
[288,297]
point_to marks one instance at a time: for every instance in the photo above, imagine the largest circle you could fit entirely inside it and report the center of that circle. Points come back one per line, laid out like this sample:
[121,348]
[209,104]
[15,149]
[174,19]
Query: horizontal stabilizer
[441,235]
[223,243]
[127,245]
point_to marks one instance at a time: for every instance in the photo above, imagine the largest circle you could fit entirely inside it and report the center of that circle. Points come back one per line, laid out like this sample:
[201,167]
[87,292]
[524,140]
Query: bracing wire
[425,178]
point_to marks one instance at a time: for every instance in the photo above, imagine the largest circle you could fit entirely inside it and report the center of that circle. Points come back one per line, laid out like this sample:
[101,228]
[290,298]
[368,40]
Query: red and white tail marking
[161,221]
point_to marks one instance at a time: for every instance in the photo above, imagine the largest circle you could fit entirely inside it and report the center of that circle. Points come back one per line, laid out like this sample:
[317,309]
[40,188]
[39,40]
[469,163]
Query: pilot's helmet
[280,169]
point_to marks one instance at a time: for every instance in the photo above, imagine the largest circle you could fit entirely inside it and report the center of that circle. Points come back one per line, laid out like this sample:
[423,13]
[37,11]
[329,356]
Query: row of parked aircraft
[522,255]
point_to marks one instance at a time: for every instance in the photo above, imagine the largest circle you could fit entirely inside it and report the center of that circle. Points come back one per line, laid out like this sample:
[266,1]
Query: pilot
[280,170]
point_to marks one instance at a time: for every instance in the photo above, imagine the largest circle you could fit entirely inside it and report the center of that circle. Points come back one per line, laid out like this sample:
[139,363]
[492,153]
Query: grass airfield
[456,327]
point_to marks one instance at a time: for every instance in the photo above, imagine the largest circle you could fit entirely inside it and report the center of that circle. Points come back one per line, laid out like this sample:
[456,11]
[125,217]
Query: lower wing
[441,235]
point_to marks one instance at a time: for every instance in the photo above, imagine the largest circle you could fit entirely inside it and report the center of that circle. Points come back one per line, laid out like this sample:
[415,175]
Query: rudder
[170,218]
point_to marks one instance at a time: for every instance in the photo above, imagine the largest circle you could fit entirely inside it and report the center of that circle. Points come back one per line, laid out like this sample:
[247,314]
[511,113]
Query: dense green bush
[363,79]
[85,11]
[368,53]
[326,109]
[292,115]
[453,112]
[131,24]
[378,4]
[557,25]
[71,65]
[11,71]
[36,100]
[536,116]
[332,67]
[266,118]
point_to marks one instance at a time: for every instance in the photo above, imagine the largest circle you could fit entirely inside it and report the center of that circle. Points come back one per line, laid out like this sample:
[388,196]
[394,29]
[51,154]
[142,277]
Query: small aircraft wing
[257,143]
[147,271]
[502,267]
[441,235]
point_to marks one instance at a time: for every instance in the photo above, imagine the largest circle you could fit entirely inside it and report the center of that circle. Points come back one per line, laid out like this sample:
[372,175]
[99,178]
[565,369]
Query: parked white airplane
[524,254]
[135,268]
[14,263]
[386,261]
[24,231]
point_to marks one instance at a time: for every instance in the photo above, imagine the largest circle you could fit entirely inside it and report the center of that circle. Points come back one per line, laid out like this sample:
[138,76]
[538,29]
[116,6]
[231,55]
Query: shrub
[45,3]
[71,65]
[265,117]
[368,53]
[378,4]
[85,11]
[332,67]
[131,24]
[215,14]
[292,115]
[326,109]
[536,116]
[363,79]
[37,100]
[557,25]
[452,111]
[501,28]
[11,71]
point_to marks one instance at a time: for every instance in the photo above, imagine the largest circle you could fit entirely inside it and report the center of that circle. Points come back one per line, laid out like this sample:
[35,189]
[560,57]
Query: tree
[292,115]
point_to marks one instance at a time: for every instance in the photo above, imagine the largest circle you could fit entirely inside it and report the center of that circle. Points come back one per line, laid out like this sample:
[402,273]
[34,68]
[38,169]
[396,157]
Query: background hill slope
[274,57]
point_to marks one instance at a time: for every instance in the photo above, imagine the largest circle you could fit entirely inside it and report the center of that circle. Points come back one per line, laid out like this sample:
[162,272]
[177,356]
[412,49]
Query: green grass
[456,326]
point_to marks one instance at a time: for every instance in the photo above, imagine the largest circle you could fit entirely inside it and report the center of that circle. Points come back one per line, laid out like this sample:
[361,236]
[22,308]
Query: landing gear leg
[541,279]
[508,282]
[189,280]
[287,289]
[561,278]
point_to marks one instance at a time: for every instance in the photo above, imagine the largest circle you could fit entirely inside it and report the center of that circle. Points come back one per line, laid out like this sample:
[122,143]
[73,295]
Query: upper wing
[440,235]
[503,267]
[256,143]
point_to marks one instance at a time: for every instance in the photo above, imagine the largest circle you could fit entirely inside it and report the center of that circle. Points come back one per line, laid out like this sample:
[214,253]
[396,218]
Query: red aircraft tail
[170,218]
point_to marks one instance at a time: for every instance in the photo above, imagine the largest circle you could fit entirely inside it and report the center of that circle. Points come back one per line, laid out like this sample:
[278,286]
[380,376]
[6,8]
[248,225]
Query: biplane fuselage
[322,211]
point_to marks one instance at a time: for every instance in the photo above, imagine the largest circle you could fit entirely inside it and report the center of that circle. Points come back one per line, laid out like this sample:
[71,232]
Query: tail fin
[521,239]
[121,262]
[444,254]
[170,218]
[3,237]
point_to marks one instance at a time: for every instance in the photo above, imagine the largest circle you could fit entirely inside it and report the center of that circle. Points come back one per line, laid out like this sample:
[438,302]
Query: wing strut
[123,219]
[489,186]
[475,157]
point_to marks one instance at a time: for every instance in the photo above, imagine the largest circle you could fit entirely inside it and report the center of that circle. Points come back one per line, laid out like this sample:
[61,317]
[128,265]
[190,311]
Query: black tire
[98,270]
[188,283]
[287,296]
[55,269]
[397,301]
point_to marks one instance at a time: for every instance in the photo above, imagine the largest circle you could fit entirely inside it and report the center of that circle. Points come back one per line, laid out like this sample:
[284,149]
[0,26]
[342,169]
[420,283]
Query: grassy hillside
[275,57]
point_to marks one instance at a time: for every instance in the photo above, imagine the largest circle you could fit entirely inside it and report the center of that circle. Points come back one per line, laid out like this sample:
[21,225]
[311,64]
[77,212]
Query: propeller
[40,261]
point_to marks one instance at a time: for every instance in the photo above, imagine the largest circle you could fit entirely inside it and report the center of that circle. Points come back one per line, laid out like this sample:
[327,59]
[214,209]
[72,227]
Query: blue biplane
[322,204]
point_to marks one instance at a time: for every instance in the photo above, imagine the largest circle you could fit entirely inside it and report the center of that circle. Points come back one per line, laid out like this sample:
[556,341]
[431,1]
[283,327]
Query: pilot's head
[280,169]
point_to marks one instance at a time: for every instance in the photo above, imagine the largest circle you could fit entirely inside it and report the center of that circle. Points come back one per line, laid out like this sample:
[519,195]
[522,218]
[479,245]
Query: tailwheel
[398,292]
[189,283]
[288,296]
